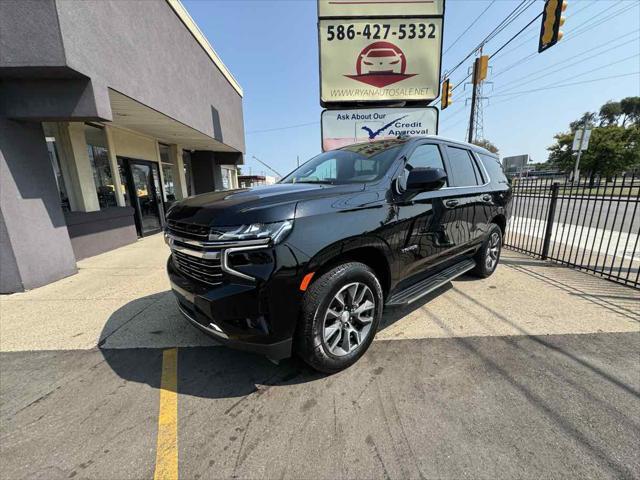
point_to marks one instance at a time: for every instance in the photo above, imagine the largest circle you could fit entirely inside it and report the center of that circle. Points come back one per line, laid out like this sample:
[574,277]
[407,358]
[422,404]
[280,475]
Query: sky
[271,47]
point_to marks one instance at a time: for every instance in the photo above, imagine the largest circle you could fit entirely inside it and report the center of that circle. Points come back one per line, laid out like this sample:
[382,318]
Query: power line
[566,85]
[535,34]
[515,84]
[579,29]
[534,54]
[469,27]
[282,128]
[514,36]
[505,22]
[573,76]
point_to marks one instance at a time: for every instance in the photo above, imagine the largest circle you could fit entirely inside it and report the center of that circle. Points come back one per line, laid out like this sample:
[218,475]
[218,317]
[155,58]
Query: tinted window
[426,156]
[463,168]
[492,164]
[353,164]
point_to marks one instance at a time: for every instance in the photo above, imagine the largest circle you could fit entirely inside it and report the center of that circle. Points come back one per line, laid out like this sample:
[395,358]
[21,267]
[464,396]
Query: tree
[612,150]
[614,146]
[487,145]
[610,113]
[630,107]
[587,117]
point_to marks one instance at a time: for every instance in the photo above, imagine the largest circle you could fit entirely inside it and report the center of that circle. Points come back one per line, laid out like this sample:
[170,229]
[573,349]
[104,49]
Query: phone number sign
[381,59]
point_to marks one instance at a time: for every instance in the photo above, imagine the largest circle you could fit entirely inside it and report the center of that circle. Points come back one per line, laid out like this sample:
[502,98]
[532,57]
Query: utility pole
[473,99]
[298,161]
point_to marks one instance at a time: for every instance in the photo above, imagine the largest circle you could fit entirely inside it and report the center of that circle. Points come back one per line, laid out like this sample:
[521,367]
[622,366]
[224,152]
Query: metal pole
[263,163]
[576,171]
[473,101]
[552,213]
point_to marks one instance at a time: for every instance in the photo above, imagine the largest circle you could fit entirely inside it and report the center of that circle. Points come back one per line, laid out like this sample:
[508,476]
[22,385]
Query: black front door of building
[144,194]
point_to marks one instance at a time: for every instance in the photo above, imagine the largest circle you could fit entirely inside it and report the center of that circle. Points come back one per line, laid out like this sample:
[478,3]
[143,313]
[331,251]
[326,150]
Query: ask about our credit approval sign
[380,59]
[345,127]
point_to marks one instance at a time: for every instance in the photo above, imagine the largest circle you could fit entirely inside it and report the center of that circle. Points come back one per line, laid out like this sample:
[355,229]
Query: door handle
[486,197]
[451,203]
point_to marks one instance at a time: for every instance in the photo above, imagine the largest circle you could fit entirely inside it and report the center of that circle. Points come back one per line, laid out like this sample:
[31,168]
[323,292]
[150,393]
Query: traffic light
[446,94]
[552,20]
[483,65]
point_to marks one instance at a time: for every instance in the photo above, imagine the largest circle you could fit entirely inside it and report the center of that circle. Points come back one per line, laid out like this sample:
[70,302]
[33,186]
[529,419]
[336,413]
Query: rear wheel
[340,315]
[489,254]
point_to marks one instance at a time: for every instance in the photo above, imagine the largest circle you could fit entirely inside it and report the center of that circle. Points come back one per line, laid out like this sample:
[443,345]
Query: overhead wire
[515,13]
[561,85]
[527,79]
[469,27]
[598,68]
[535,34]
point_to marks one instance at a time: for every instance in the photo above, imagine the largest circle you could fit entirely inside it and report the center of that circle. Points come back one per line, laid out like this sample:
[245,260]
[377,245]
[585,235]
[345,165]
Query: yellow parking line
[167,449]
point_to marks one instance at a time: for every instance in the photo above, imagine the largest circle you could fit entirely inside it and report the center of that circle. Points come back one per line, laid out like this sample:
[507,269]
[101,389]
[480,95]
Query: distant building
[516,164]
[248,181]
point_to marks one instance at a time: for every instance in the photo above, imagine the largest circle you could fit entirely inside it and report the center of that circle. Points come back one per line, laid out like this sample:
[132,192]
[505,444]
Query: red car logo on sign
[381,64]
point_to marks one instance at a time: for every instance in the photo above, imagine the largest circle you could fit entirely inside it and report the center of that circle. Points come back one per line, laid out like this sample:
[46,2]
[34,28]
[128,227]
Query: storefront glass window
[169,190]
[169,185]
[227,178]
[99,159]
[123,181]
[55,163]
[186,160]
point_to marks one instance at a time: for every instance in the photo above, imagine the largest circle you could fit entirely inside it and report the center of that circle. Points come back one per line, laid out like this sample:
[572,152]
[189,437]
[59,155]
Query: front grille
[205,270]
[188,230]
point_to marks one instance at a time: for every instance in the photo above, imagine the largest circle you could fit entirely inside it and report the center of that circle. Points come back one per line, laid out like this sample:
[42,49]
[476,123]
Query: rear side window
[464,169]
[492,164]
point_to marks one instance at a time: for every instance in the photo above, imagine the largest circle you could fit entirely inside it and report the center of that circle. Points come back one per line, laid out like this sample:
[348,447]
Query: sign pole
[576,171]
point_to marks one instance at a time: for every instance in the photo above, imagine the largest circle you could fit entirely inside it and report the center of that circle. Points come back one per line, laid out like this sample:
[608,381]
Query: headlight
[276,231]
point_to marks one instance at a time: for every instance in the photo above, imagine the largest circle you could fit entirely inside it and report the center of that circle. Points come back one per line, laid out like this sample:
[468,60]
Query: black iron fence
[592,225]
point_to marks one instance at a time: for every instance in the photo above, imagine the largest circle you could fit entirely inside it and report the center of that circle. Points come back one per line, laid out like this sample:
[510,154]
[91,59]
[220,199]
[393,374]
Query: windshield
[365,162]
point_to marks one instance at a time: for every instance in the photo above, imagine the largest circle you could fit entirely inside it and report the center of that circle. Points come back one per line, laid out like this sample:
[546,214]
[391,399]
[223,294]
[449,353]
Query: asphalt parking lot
[533,373]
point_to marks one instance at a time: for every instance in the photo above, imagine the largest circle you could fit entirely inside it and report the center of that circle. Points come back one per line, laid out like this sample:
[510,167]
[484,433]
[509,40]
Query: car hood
[269,203]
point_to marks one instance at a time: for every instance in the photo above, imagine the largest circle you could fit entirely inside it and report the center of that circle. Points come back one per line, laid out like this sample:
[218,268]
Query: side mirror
[426,179]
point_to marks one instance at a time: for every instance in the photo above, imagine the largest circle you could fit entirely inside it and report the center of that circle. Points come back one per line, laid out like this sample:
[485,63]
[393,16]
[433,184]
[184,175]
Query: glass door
[144,190]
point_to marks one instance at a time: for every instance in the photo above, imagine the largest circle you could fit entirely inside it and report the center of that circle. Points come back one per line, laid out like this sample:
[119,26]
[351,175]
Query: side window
[494,168]
[464,168]
[426,156]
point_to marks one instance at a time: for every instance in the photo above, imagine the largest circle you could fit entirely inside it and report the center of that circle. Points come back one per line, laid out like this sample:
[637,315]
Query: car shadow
[134,337]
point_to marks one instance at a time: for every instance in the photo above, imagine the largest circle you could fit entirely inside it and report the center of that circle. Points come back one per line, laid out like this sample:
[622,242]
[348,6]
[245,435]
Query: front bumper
[276,351]
[257,316]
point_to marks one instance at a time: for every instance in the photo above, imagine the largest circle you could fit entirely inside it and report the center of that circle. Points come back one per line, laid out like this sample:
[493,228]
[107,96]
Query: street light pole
[274,171]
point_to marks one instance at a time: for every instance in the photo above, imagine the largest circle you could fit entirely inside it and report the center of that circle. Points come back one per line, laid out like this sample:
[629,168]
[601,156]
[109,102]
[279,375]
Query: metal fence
[590,225]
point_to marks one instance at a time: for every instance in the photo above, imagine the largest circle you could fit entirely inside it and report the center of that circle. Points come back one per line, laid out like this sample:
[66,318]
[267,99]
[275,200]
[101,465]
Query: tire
[488,256]
[319,328]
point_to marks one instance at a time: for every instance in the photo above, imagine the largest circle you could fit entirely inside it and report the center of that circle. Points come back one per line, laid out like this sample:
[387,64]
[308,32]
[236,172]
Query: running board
[429,284]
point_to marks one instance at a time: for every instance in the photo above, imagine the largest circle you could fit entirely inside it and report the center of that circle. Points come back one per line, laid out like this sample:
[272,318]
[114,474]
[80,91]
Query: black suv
[308,264]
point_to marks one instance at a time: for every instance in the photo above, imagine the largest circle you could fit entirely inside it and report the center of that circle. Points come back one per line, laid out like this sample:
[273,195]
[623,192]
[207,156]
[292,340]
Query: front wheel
[489,254]
[340,315]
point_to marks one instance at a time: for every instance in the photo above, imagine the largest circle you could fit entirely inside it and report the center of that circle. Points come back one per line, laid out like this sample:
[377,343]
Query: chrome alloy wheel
[348,319]
[493,251]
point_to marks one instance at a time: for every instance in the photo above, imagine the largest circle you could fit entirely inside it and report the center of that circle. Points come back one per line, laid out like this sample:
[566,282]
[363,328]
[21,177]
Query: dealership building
[109,112]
